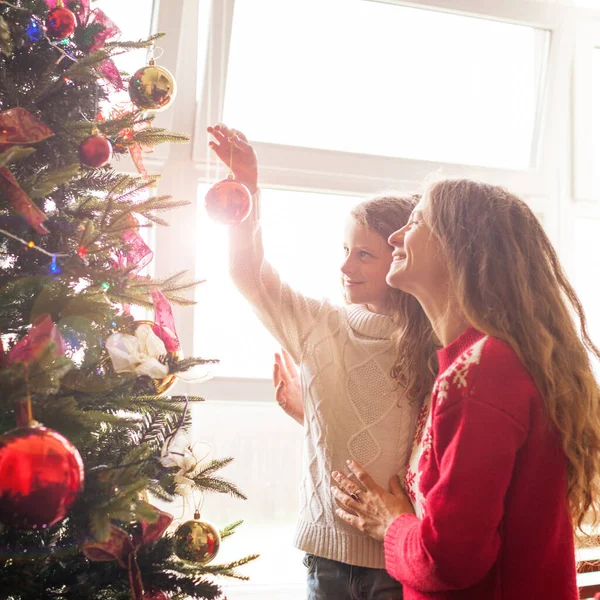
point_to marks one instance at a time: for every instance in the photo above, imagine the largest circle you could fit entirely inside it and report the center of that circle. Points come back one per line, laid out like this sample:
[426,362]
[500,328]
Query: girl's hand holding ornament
[232,147]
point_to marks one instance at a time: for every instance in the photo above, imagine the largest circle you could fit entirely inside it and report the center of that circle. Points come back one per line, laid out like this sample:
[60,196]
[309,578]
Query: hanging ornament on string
[152,87]
[197,541]
[229,201]
[60,22]
[41,472]
[95,151]
[41,475]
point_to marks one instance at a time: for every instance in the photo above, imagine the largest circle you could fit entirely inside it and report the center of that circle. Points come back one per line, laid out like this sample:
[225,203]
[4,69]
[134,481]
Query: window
[343,99]
[303,236]
[586,131]
[586,272]
[389,80]
[596,122]
[135,20]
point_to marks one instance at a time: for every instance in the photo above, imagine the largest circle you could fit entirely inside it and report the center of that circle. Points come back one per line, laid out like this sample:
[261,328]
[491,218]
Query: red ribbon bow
[42,337]
[139,254]
[18,127]
[122,547]
[85,16]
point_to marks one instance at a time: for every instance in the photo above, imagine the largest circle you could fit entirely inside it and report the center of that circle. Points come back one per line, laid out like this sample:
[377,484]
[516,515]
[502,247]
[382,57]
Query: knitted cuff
[392,542]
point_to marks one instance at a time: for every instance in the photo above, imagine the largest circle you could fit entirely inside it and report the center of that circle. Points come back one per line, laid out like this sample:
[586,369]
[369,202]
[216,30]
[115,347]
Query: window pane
[586,262]
[596,121]
[383,79]
[134,19]
[266,446]
[303,240]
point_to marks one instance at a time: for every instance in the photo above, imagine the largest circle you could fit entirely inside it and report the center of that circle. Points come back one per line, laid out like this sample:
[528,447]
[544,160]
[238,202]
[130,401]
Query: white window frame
[351,173]
[588,41]
[201,89]
[196,52]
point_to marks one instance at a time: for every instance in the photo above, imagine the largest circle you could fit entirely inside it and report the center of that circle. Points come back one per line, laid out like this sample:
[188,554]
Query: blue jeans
[333,580]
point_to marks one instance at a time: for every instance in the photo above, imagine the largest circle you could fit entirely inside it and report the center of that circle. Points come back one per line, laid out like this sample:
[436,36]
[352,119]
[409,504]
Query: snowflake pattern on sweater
[456,374]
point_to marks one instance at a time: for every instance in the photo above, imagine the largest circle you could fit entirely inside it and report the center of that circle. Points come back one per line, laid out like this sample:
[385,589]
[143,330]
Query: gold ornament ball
[152,88]
[197,541]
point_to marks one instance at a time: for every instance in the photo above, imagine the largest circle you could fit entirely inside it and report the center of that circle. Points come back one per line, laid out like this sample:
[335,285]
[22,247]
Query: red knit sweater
[489,487]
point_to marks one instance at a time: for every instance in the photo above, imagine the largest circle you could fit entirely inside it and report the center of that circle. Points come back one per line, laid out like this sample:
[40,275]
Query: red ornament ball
[60,23]
[41,475]
[155,594]
[228,202]
[95,151]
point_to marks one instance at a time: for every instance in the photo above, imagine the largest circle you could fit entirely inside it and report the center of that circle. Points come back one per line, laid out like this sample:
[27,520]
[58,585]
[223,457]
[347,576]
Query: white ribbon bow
[178,452]
[138,353]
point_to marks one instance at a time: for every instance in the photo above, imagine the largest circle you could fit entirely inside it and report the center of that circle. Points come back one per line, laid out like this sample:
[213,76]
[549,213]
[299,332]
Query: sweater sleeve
[288,315]
[475,443]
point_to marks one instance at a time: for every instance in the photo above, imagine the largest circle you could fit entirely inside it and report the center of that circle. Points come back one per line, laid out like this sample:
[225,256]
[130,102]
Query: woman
[506,458]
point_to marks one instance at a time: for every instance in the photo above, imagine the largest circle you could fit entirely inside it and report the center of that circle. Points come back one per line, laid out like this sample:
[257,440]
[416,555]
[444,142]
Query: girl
[361,387]
[506,455]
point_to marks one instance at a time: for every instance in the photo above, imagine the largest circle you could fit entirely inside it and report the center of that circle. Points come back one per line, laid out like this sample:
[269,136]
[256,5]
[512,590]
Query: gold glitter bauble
[197,541]
[152,87]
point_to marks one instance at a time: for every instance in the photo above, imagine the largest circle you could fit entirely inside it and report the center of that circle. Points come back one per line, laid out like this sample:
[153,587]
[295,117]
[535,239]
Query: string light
[30,244]
[54,268]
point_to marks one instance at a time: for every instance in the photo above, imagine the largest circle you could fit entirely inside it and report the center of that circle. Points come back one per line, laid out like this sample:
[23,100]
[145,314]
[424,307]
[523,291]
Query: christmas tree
[89,440]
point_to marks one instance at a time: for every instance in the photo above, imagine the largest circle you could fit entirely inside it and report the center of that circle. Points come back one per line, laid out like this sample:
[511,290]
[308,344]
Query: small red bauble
[60,23]
[228,202]
[95,151]
[155,594]
[41,475]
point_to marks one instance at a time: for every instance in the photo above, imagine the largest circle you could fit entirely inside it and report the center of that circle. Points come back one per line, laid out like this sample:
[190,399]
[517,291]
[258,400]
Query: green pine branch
[230,529]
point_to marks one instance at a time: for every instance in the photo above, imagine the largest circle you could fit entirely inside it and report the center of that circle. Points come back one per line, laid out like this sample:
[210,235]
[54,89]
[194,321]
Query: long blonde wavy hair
[510,285]
[415,343]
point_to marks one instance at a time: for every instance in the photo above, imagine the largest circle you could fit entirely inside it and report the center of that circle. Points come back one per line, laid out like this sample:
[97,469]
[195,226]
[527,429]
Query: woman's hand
[244,163]
[288,391]
[369,508]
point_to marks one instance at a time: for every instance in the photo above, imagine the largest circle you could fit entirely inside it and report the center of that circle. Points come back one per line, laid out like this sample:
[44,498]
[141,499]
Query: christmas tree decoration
[20,127]
[144,353]
[41,475]
[6,45]
[71,277]
[21,203]
[35,30]
[155,594]
[122,547]
[197,541]
[95,151]
[228,202]
[152,87]
[60,22]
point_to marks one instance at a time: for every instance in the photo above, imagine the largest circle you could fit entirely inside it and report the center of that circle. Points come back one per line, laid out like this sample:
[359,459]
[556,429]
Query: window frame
[588,42]
[199,63]
[351,173]
[347,173]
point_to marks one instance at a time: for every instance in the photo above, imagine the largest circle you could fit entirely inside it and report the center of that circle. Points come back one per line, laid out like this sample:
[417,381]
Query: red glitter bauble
[155,594]
[41,475]
[95,151]
[60,23]
[228,202]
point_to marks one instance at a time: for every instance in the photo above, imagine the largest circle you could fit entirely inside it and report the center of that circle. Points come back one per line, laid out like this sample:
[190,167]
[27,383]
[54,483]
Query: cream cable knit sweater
[351,405]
